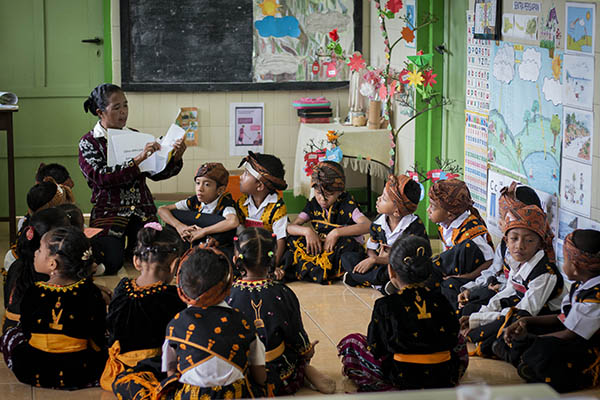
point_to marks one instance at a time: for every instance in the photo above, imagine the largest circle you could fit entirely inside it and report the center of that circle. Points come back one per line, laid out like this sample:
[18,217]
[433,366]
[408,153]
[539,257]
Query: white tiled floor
[329,313]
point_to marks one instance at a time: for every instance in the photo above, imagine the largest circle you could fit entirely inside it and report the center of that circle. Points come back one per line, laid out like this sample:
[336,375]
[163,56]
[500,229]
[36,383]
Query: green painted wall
[428,127]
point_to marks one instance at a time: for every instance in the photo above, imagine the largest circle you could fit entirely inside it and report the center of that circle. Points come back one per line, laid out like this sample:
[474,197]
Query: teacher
[122,201]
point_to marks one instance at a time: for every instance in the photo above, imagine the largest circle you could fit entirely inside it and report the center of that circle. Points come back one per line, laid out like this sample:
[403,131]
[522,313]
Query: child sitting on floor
[565,355]
[535,285]
[477,293]
[211,350]
[468,247]
[58,172]
[260,205]
[59,342]
[413,337]
[210,213]
[336,226]
[22,273]
[396,207]
[277,317]
[42,195]
[141,308]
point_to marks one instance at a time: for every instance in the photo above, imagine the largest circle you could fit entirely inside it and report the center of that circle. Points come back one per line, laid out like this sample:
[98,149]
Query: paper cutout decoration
[334,154]
[269,7]
[312,158]
[188,120]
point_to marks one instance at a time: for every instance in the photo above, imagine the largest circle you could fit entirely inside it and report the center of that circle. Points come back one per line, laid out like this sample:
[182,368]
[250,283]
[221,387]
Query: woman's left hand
[179,148]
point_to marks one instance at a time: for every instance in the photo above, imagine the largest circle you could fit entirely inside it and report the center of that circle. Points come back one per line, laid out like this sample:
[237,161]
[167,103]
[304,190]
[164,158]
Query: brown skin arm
[473,274]
[259,374]
[164,212]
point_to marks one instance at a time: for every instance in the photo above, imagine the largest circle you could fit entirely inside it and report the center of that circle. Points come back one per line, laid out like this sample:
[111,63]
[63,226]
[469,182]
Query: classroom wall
[153,112]
[507,7]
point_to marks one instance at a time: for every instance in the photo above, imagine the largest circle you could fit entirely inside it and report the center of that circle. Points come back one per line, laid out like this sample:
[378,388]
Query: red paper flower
[334,35]
[408,34]
[356,62]
[429,77]
[394,5]
[420,52]
[403,76]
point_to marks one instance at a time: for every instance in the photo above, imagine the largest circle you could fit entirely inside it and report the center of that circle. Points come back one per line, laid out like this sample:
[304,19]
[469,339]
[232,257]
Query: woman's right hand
[149,149]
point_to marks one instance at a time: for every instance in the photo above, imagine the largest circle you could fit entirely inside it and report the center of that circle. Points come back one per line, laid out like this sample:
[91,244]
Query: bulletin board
[202,45]
[530,99]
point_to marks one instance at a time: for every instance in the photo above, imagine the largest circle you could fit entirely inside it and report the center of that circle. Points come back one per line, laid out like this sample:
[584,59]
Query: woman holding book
[122,200]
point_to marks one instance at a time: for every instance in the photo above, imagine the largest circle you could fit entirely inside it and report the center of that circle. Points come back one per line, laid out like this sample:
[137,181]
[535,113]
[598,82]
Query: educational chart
[576,187]
[476,158]
[580,27]
[476,113]
[524,130]
[289,34]
[478,70]
[578,134]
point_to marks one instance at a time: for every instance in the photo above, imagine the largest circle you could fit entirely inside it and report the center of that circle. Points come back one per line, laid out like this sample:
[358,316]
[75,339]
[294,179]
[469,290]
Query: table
[6,124]
[371,145]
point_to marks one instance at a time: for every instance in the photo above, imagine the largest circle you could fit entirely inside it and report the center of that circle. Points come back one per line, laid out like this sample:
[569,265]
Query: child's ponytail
[74,252]
[256,249]
[410,258]
[158,245]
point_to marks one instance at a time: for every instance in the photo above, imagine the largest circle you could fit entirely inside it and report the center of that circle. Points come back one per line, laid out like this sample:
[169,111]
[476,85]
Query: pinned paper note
[188,120]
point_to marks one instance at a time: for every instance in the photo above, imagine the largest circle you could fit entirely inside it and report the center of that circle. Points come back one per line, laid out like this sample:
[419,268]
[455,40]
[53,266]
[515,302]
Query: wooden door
[46,64]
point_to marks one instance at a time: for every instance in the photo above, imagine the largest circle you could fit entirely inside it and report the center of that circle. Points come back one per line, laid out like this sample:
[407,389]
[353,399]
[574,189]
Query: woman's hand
[179,148]
[149,149]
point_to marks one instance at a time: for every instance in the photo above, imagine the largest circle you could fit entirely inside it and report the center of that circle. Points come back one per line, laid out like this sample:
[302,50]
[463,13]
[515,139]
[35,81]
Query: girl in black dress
[59,342]
[141,308]
[274,309]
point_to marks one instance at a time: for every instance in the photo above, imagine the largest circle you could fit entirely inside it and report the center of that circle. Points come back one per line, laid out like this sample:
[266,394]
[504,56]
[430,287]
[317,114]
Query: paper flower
[415,78]
[334,35]
[356,62]
[394,5]
[331,136]
[407,34]
[383,93]
[429,78]
[403,76]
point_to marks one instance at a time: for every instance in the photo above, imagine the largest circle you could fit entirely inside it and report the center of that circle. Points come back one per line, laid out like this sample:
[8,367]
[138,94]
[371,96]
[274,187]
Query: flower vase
[374,114]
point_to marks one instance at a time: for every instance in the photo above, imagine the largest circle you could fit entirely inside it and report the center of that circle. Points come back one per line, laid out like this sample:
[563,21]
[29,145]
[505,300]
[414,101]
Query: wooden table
[6,124]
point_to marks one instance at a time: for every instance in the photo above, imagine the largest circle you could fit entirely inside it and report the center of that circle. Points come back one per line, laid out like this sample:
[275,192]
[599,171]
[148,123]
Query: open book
[8,101]
[123,145]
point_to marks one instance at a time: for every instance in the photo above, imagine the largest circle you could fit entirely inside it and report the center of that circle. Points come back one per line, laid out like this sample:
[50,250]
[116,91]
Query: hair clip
[29,232]
[270,253]
[273,235]
[87,254]
[421,251]
[407,260]
[235,238]
[154,225]
[241,256]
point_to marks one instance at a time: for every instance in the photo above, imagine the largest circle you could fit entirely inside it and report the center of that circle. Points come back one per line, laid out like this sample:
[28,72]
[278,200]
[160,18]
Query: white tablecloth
[367,143]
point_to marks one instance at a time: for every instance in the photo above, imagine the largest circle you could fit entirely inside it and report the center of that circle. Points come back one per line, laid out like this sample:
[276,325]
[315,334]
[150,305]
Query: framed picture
[246,128]
[580,28]
[487,20]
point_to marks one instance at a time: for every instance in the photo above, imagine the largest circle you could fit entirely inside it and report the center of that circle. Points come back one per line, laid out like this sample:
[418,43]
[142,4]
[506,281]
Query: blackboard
[197,45]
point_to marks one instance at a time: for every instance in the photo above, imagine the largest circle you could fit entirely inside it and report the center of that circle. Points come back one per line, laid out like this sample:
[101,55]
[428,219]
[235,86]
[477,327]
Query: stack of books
[313,110]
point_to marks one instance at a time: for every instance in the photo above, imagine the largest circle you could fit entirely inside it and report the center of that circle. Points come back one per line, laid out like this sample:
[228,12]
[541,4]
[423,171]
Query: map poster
[524,130]
[580,27]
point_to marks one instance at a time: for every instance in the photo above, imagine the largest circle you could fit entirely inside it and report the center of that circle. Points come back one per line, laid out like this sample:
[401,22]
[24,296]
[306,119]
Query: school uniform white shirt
[279,226]
[494,270]
[214,371]
[583,318]
[536,296]
[391,235]
[447,231]
[207,208]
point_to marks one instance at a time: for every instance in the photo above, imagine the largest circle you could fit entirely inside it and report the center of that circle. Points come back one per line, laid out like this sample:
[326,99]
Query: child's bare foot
[321,382]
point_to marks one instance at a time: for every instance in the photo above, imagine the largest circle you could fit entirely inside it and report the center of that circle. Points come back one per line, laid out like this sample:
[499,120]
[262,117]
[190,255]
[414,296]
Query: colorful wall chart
[476,134]
[288,35]
[524,130]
